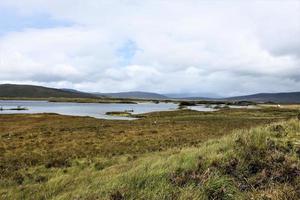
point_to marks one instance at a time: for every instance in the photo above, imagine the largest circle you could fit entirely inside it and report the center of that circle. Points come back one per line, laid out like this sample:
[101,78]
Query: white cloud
[223,47]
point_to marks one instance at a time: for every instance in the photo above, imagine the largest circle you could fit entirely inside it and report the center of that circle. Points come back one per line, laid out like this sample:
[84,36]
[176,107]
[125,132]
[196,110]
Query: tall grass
[261,163]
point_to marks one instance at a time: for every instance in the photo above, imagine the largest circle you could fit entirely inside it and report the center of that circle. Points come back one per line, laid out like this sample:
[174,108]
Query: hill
[134,94]
[31,91]
[193,96]
[287,97]
[283,97]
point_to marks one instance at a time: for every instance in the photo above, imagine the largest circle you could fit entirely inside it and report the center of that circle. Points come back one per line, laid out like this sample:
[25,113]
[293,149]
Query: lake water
[96,110]
[201,108]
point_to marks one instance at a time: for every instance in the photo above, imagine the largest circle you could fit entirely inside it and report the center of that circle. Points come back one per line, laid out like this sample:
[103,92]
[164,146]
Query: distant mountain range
[30,91]
[193,95]
[134,94]
[284,97]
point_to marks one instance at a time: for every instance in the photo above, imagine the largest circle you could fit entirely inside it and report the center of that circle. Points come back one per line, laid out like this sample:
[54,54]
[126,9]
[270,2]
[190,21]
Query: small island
[119,113]
[17,108]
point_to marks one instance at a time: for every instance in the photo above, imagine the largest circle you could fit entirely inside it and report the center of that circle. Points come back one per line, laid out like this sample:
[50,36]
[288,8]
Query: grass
[166,155]
[285,106]
[119,113]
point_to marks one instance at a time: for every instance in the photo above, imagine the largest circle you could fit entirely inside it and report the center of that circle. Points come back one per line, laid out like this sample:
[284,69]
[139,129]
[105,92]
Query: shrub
[220,188]
[40,179]
[58,163]
[117,196]
[99,166]
[18,178]
[187,103]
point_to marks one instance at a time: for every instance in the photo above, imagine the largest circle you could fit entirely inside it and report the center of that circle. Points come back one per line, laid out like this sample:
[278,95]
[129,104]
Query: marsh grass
[225,162]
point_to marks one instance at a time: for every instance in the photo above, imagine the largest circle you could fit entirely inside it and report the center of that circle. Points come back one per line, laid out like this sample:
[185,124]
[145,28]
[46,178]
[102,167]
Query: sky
[216,48]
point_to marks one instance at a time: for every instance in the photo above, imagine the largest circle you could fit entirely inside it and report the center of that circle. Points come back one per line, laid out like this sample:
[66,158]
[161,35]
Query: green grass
[214,157]
[119,113]
[204,172]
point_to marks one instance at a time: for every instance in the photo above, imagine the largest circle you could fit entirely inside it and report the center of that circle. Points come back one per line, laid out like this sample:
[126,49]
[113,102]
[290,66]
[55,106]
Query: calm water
[201,108]
[96,110]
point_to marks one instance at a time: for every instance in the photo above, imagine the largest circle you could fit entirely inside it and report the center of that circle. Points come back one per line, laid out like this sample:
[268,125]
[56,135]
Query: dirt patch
[58,163]
[117,196]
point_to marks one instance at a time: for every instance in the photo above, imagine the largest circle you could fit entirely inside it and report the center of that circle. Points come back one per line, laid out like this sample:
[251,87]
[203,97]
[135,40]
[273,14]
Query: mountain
[193,95]
[71,90]
[134,94]
[31,91]
[284,97]
[80,92]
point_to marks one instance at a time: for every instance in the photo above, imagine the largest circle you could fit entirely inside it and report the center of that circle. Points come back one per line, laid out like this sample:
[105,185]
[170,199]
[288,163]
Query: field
[229,154]
[285,106]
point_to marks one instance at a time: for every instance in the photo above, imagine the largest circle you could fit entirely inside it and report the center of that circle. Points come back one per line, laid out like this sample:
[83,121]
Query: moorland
[183,154]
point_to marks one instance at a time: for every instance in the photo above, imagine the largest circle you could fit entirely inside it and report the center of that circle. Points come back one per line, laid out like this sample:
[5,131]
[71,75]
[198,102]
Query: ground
[165,155]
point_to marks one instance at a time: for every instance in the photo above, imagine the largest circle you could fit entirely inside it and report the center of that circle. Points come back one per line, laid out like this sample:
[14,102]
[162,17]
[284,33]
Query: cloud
[221,47]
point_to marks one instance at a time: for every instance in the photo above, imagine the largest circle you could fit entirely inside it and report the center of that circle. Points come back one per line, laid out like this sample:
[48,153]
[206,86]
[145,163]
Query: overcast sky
[168,46]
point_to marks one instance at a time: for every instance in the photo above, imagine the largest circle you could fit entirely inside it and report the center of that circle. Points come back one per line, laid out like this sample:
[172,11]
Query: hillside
[288,97]
[31,91]
[283,97]
[134,94]
[193,96]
